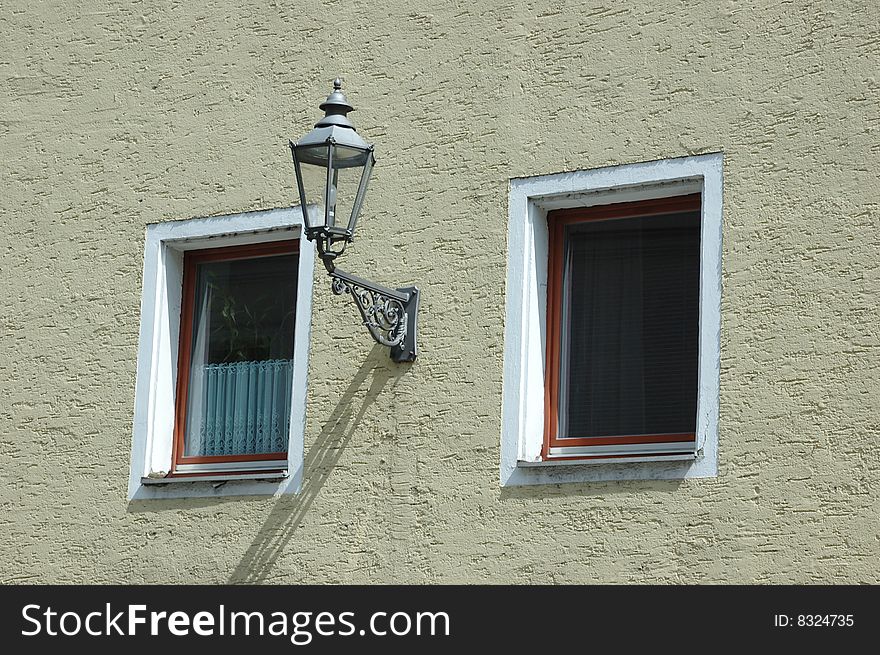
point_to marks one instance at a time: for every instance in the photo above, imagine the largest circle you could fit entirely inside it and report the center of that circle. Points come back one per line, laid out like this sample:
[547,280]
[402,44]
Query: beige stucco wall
[115,115]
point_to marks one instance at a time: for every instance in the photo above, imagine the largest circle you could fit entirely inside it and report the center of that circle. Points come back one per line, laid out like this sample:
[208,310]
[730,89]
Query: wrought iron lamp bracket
[390,315]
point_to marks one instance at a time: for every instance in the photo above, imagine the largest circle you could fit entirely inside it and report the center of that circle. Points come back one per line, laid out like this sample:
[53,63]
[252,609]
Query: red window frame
[191,261]
[557,221]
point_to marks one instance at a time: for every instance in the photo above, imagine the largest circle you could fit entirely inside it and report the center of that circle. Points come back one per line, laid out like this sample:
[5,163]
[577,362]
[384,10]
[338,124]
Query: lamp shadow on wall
[321,458]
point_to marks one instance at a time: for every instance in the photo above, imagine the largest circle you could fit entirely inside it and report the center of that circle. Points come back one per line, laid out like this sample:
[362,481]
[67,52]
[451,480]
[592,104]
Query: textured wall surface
[115,115]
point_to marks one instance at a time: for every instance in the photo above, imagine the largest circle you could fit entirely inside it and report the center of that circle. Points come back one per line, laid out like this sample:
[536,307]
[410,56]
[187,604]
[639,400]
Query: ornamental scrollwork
[385,317]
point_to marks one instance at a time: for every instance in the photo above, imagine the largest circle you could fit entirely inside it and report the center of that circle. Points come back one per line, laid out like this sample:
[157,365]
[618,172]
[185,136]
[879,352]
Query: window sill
[228,477]
[568,470]
[586,461]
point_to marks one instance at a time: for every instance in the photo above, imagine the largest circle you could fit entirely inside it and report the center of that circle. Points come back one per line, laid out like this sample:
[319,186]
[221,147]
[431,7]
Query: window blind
[630,326]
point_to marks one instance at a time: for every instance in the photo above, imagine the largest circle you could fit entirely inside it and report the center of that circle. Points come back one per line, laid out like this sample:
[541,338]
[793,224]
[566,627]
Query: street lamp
[333,165]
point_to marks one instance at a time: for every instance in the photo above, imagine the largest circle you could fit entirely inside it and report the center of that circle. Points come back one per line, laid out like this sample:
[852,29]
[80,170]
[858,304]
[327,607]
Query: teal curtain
[244,408]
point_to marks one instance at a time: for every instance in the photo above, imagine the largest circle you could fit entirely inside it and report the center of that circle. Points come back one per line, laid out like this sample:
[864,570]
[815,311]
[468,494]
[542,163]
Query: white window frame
[525,343]
[153,431]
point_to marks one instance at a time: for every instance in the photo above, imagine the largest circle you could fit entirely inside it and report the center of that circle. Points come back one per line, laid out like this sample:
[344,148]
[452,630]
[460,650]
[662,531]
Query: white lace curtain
[240,408]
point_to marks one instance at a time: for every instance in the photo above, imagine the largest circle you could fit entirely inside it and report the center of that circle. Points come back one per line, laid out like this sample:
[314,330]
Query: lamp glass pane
[314,179]
[349,157]
[362,192]
[345,181]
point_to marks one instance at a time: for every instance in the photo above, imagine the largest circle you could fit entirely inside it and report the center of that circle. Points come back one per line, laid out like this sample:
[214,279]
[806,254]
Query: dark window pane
[630,322]
[241,371]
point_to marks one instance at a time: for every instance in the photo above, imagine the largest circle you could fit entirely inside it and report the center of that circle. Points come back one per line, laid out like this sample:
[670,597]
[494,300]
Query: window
[623,297]
[612,330]
[236,358]
[222,358]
